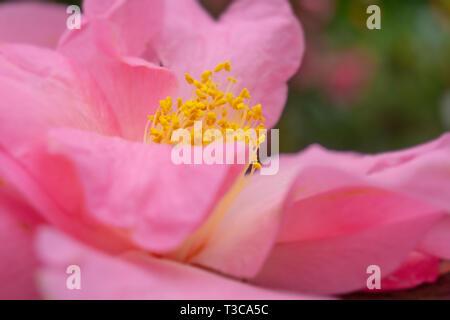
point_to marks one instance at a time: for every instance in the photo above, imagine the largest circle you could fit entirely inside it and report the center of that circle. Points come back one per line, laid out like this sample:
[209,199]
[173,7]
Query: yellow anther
[164,121]
[257,112]
[210,118]
[166,105]
[200,94]
[245,94]
[212,93]
[175,123]
[206,75]
[237,101]
[220,102]
[223,123]
[219,67]
[188,124]
[156,134]
[215,108]
[219,94]
[189,78]
[230,98]
[199,85]
[158,113]
[257,165]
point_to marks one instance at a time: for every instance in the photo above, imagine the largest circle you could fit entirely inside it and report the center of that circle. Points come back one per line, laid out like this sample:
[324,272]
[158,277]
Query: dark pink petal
[417,269]
[39,24]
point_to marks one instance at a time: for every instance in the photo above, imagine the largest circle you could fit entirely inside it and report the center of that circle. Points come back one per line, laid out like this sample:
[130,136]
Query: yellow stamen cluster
[216,109]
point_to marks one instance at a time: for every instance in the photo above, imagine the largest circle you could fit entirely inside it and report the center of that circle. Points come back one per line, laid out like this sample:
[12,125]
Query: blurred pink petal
[133,276]
[18,260]
[262,39]
[39,24]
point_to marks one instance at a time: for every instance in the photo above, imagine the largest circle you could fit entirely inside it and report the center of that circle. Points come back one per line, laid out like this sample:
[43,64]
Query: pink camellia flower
[80,186]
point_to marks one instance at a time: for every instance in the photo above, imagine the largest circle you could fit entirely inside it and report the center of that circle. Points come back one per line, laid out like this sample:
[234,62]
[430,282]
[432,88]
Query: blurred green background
[367,90]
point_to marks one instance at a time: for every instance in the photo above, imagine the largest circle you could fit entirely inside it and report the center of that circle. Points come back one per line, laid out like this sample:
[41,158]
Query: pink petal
[133,276]
[389,160]
[437,240]
[39,91]
[262,39]
[338,265]
[240,245]
[337,222]
[337,225]
[92,8]
[49,184]
[323,204]
[427,177]
[131,86]
[247,233]
[17,258]
[137,188]
[135,22]
[39,24]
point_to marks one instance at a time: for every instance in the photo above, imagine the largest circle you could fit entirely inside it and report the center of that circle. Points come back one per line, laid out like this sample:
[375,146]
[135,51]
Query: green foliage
[402,104]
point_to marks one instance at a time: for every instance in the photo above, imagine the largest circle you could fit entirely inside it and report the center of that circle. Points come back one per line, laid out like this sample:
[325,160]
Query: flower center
[217,110]
[214,108]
